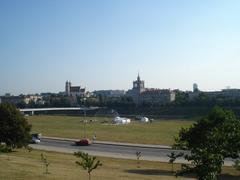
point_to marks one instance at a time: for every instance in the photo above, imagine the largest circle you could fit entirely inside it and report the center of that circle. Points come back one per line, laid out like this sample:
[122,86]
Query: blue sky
[102,44]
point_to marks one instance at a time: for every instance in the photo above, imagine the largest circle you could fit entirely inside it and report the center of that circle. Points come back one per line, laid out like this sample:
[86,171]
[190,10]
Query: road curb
[114,143]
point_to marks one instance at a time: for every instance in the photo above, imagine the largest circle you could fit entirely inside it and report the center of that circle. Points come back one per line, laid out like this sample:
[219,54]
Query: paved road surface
[109,150]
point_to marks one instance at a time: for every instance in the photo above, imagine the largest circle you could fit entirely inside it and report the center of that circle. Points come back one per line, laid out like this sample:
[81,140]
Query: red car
[83,142]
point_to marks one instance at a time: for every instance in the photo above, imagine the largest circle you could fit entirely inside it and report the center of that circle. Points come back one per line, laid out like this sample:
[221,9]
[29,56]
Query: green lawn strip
[159,132]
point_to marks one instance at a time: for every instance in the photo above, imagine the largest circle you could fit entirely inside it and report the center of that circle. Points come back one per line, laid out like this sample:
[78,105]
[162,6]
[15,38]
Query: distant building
[225,93]
[37,99]
[74,90]
[26,99]
[157,96]
[109,93]
[142,95]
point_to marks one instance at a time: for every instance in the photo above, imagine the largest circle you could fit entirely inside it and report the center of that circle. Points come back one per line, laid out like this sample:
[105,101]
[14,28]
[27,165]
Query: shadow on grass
[150,172]
[228,177]
[169,173]
[156,172]
[9,152]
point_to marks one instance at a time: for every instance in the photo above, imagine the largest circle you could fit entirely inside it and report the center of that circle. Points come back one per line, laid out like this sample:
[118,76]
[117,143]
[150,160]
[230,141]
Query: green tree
[4,148]
[138,155]
[14,128]
[237,164]
[45,162]
[87,162]
[181,98]
[210,140]
[172,158]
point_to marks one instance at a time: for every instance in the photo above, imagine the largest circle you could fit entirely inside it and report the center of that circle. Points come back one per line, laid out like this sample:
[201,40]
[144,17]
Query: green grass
[22,165]
[159,132]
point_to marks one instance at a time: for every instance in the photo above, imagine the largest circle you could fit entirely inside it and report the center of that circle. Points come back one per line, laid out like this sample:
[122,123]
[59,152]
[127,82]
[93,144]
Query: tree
[45,162]
[14,128]
[181,98]
[172,157]
[138,155]
[87,162]
[237,165]
[210,140]
[4,148]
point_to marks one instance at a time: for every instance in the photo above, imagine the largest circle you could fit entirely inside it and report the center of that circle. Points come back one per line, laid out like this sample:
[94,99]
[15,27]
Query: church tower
[138,88]
[138,85]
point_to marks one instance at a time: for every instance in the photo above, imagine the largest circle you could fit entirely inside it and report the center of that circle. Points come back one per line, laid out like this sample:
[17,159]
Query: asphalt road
[106,148]
[111,150]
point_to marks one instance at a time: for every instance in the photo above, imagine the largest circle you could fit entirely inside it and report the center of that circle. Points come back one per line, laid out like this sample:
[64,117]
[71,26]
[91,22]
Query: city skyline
[194,86]
[104,44]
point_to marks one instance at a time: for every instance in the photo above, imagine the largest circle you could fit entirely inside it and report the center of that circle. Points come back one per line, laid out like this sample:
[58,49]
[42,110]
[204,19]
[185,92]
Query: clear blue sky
[102,44]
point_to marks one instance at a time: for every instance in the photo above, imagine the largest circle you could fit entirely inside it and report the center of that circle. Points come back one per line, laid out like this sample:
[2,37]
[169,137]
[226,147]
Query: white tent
[120,120]
[144,119]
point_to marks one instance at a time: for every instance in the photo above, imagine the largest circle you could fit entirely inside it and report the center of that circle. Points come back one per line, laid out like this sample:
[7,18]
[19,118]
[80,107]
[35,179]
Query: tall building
[142,95]
[138,88]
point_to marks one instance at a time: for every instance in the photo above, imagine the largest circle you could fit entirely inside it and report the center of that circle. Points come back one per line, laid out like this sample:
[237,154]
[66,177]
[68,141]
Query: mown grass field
[22,165]
[158,132]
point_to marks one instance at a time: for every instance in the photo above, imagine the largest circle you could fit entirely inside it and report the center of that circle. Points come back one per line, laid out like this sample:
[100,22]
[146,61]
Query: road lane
[111,150]
[107,150]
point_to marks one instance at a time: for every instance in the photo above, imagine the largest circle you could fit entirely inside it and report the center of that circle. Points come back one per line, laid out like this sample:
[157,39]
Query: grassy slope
[159,132]
[23,165]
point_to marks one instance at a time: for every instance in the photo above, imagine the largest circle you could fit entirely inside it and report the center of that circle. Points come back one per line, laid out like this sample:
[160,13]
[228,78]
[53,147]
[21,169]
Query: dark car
[36,138]
[83,142]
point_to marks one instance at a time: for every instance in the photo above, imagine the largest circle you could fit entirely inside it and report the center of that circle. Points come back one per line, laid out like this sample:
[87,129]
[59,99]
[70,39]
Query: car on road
[36,138]
[83,142]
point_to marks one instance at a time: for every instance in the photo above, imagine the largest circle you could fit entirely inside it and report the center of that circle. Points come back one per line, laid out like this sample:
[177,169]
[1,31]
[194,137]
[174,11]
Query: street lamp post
[85,121]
